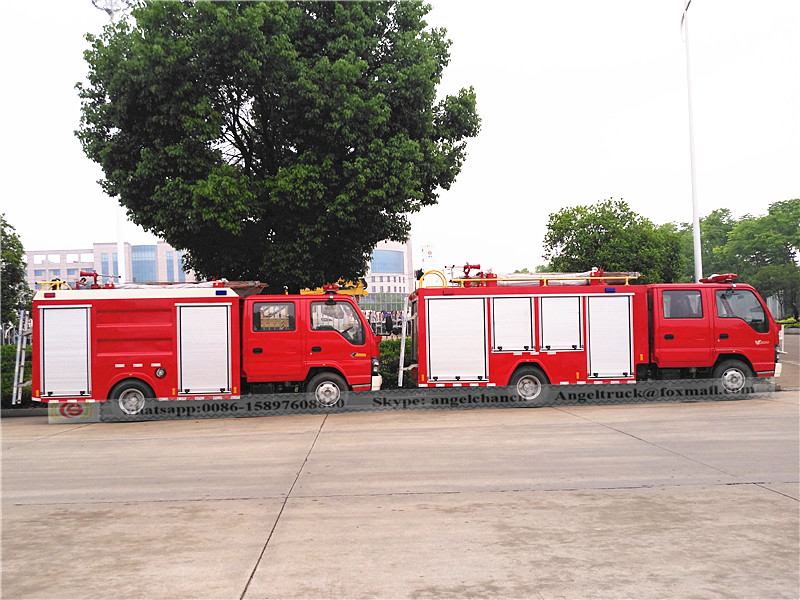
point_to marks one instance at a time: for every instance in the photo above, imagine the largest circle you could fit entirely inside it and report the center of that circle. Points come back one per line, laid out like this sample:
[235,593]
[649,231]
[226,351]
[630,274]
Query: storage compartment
[65,347]
[457,339]
[610,336]
[204,349]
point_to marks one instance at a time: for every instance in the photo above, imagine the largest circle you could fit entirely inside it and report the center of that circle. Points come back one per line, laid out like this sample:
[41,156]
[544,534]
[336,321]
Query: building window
[38,272]
[72,272]
[170,266]
[387,261]
[181,267]
[143,264]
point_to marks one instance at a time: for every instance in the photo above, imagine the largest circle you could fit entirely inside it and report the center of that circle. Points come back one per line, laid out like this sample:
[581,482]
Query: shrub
[9,359]
[390,363]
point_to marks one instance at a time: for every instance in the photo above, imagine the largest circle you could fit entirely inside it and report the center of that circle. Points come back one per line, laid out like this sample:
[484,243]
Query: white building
[146,263]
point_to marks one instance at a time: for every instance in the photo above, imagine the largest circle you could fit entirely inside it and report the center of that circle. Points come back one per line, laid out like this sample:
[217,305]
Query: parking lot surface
[695,500]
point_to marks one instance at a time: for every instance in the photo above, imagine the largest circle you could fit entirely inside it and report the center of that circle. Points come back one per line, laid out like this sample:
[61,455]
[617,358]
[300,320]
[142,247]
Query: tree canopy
[277,141]
[610,236]
[15,292]
[761,250]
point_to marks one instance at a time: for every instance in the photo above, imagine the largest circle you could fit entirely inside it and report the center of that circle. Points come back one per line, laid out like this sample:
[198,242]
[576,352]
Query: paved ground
[696,500]
[790,377]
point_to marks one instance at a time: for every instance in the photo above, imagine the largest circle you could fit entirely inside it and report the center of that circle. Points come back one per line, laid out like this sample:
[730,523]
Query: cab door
[682,331]
[336,338]
[742,326]
[272,340]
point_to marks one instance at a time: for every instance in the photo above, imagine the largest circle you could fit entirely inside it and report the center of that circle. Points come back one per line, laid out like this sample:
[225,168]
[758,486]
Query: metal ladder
[19,366]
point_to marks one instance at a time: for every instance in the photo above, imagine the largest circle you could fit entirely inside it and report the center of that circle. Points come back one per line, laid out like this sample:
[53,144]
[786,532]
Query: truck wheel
[732,374]
[131,395]
[327,389]
[528,382]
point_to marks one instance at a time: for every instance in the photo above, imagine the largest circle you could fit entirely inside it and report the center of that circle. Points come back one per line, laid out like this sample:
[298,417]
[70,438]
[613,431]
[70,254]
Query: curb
[7,413]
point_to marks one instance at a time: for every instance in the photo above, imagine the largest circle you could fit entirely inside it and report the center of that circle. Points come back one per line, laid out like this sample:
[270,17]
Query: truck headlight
[375,365]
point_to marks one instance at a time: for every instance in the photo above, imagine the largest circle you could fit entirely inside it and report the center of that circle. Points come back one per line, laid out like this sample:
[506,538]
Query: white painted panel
[561,323]
[205,350]
[610,336]
[512,324]
[457,344]
[65,351]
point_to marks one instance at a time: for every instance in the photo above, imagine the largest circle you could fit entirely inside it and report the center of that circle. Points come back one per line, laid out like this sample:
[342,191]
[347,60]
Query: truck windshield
[339,316]
[742,304]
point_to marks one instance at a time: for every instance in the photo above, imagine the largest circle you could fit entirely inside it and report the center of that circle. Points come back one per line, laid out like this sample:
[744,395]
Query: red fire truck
[588,328]
[127,345]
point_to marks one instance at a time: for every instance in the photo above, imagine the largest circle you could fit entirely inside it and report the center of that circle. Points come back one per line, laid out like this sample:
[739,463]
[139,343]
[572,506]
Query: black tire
[528,382]
[327,389]
[732,375]
[131,395]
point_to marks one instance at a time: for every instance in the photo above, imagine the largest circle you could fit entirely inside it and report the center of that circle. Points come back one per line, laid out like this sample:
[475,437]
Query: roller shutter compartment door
[610,337]
[560,323]
[457,343]
[65,352]
[512,324]
[204,336]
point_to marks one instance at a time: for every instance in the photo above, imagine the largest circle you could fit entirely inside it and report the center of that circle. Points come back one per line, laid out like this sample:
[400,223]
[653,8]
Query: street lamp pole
[111,8]
[698,259]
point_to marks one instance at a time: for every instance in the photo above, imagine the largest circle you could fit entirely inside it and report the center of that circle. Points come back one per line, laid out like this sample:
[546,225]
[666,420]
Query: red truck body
[199,343]
[529,334]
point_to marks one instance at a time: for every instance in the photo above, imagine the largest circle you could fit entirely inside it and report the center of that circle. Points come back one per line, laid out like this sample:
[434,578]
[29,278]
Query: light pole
[112,8]
[698,259]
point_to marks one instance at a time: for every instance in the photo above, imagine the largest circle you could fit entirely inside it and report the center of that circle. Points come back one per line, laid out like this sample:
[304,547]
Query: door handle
[316,348]
[669,336]
[257,351]
[723,336]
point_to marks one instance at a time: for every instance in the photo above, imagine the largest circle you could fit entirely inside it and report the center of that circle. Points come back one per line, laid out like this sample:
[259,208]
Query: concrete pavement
[696,500]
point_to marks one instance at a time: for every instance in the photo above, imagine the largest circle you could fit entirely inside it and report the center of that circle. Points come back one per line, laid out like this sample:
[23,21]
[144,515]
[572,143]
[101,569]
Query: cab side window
[273,316]
[683,304]
[742,304]
[338,316]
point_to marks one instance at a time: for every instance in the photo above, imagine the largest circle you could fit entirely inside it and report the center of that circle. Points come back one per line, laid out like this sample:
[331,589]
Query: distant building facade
[145,263]
[390,278]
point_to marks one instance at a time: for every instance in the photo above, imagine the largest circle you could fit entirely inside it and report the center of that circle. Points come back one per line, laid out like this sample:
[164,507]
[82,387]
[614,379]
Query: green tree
[772,239]
[609,235]
[781,281]
[764,251]
[714,230]
[274,140]
[15,291]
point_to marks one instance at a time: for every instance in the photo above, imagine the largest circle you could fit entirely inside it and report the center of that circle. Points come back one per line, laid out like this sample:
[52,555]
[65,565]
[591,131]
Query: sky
[580,101]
